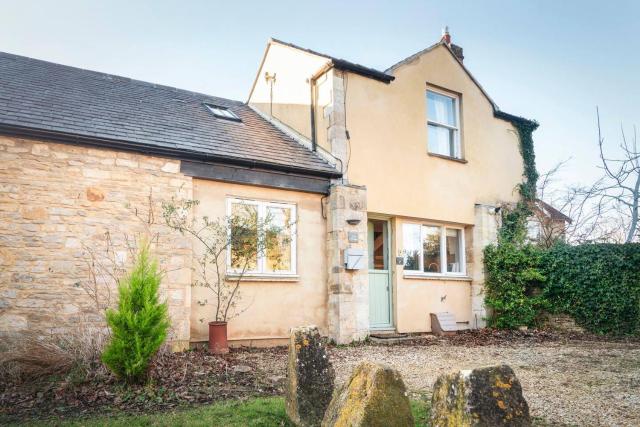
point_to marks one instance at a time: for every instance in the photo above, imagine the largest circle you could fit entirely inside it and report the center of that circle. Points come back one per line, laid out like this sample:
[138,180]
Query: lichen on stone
[310,377]
[374,395]
[482,397]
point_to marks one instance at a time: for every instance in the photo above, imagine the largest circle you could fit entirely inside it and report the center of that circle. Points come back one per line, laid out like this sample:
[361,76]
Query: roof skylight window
[222,112]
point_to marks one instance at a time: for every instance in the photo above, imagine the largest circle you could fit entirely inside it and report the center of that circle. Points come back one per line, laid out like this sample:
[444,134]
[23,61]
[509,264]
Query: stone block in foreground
[481,397]
[374,395]
[309,377]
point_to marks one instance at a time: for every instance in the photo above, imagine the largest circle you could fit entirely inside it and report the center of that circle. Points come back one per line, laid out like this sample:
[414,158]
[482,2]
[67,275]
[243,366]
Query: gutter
[342,64]
[175,153]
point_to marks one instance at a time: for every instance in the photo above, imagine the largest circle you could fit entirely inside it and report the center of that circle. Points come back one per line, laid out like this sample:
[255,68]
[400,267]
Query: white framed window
[443,123]
[433,249]
[270,233]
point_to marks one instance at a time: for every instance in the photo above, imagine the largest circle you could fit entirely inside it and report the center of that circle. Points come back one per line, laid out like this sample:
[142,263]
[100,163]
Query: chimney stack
[446,39]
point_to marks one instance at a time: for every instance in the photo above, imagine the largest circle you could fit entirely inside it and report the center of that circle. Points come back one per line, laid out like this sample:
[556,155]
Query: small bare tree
[606,211]
[589,221]
[230,247]
[620,185]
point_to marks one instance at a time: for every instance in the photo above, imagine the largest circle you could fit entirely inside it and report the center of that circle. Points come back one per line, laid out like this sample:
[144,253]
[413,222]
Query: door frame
[390,264]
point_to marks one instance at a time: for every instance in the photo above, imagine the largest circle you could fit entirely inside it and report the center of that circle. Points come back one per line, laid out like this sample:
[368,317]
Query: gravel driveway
[574,383]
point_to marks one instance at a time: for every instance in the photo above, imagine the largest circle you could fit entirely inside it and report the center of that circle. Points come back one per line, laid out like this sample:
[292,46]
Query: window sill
[264,278]
[436,277]
[442,156]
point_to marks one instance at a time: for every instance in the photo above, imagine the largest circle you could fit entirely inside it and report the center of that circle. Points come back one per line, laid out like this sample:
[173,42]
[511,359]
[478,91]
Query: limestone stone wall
[334,115]
[348,308]
[57,201]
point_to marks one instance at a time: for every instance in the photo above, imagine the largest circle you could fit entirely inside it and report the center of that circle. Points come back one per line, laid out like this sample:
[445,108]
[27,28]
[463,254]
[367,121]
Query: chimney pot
[446,37]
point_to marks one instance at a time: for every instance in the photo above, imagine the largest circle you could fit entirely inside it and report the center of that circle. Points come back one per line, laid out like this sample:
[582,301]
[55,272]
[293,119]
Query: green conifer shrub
[140,324]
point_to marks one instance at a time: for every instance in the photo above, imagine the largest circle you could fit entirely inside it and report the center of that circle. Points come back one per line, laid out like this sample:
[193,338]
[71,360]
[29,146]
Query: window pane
[222,112]
[278,239]
[442,141]
[431,248]
[441,109]
[228,114]
[454,260]
[215,110]
[411,246]
[377,244]
[244,236]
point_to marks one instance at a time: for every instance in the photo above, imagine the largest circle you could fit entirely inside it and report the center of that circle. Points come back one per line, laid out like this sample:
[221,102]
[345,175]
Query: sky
[549,60]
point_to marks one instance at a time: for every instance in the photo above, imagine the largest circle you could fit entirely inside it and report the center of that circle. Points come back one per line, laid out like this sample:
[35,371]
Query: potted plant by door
[228,248]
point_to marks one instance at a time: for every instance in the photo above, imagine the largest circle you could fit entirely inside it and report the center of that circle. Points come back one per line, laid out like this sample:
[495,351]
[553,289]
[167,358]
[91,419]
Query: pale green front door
[380,313]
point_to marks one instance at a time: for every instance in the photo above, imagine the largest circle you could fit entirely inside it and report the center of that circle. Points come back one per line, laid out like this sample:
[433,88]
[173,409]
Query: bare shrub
[27,356]
[108,258]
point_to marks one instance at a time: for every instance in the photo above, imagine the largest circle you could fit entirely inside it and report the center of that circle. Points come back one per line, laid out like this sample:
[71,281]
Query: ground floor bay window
[433,249]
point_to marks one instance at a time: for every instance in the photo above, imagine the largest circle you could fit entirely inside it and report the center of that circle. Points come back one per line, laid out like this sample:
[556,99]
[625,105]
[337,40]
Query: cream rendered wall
[415,298]
[419,297]
[388,128]
[291,91]
[324,107]
[272,307]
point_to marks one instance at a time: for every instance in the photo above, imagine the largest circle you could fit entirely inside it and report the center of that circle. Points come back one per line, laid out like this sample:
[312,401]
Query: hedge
[597,284]
[513,276]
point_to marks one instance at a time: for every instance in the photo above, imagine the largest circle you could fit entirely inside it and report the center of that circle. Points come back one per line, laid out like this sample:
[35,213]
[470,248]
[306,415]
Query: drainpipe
[312,87]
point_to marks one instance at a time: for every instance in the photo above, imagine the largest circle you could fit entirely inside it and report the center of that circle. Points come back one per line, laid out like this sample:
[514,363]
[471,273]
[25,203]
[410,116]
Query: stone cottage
[393,179]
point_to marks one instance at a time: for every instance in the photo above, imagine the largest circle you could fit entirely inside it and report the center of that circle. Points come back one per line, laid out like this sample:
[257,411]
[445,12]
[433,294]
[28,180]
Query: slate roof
[67,102]
[552,212]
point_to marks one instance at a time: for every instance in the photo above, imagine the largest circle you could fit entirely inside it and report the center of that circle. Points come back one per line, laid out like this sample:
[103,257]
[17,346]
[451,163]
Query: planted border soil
[176,380]
[568,379]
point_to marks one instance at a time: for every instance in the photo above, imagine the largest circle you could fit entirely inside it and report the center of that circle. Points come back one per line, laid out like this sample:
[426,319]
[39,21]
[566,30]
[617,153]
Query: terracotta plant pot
[218,338]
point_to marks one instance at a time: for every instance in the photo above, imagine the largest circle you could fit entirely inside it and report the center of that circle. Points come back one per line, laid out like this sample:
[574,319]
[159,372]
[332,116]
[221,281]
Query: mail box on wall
[354,259]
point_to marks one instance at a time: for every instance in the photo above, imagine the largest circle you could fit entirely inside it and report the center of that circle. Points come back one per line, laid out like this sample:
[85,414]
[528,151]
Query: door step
[388,338]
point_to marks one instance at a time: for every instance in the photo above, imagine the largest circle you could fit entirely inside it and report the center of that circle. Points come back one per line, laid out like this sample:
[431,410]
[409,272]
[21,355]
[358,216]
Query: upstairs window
[443,121]
[222,112]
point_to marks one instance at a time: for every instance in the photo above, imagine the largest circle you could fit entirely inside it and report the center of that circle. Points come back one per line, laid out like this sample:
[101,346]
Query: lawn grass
[259,412]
